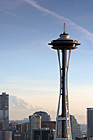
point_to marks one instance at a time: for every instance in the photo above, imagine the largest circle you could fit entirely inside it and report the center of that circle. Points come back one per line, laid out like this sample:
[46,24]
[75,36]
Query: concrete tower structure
[4,110]
[89,122]
[63,45]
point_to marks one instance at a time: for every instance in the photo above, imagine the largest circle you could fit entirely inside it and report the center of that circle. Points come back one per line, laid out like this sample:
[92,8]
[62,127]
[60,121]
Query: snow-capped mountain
[18,103]
[20,109]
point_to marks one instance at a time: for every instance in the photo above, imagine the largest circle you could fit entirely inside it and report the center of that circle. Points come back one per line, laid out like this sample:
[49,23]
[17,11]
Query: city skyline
[29,67]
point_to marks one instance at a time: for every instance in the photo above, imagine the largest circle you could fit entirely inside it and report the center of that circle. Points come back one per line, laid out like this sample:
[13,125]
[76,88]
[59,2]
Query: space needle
[64,45]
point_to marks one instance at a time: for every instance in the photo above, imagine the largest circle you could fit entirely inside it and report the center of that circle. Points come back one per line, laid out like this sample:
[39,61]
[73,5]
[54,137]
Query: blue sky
[29,67]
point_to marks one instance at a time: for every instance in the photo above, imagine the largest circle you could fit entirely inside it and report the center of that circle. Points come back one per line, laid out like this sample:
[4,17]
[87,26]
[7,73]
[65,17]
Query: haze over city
[29,67]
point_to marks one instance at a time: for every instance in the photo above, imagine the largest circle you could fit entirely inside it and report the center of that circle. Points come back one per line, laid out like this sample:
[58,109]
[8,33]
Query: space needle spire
[64,45]
[64,27]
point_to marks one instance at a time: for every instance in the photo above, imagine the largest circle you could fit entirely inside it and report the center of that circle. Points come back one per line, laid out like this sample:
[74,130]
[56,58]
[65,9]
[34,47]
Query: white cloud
[77,27]
[11,14]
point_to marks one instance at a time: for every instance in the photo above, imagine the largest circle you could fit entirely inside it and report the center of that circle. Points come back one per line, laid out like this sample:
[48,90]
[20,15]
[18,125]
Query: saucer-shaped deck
[64,42]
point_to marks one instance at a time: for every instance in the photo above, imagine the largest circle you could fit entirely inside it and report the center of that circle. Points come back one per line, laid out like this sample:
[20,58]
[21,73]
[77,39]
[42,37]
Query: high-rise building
[5,135]
[4,110]
[75,128]
[34,123]
[89,122]
[43,134]
[44,116]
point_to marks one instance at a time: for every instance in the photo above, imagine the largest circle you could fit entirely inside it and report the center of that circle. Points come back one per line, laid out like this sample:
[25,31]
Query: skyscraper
[4,110]
[75,128]
[89,122]
[34,123]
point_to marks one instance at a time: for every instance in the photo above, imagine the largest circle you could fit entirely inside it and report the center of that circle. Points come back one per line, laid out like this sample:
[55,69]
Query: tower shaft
[62,123]
[63,94]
